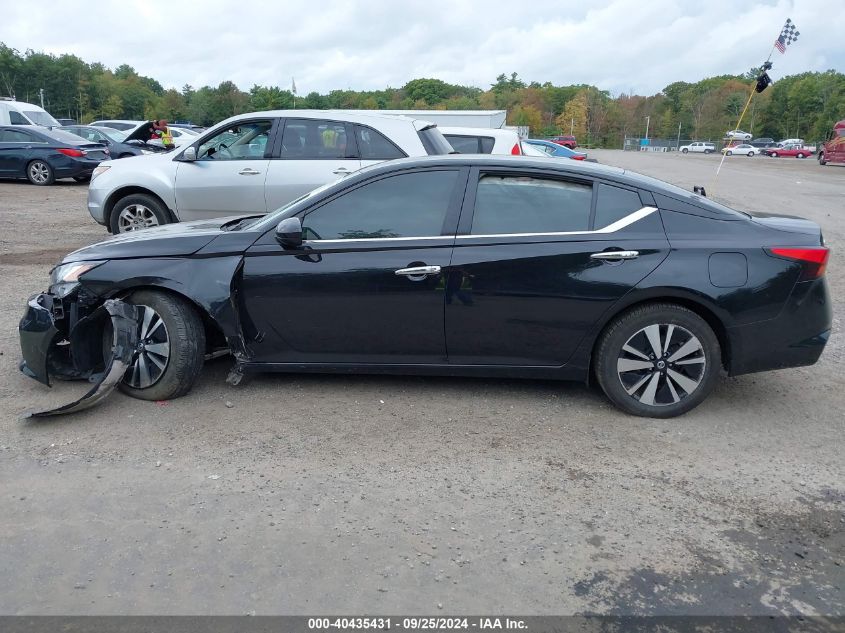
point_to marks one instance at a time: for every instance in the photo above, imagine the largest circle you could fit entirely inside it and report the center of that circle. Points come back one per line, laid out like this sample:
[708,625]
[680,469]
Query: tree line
[804,105]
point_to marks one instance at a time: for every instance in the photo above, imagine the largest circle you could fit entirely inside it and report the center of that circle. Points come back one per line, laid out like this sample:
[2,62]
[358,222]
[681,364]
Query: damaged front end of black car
[69,334]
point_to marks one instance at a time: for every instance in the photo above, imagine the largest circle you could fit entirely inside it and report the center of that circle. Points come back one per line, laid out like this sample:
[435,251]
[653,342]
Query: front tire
[136,212]
[171,347]
[659,360]
[39,172]
[729,153]
[773,154]
[822,161]
[801,155]
[750,154]
[684,151]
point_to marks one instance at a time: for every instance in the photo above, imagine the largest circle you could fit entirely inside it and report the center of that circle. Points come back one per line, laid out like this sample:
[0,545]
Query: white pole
[41,90]
[678,144]
[571,126]
[647,121]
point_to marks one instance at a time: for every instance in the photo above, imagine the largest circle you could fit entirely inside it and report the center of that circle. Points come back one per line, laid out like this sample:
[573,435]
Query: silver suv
[252,164]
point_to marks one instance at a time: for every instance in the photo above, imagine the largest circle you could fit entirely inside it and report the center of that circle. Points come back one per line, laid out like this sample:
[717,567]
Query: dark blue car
[42,155]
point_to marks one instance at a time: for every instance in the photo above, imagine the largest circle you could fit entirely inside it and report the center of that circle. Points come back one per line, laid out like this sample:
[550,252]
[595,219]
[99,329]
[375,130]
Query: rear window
[514,205]
[373,145]
[434,142]
[471,144]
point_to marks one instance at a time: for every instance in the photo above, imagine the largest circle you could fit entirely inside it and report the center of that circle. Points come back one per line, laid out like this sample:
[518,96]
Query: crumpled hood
[170,240]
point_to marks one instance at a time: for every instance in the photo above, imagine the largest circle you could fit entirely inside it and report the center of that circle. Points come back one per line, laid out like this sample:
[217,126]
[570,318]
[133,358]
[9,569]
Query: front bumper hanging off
[79,354]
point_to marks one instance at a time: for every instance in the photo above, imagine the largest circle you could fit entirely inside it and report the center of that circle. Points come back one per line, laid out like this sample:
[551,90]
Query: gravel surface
[353,494]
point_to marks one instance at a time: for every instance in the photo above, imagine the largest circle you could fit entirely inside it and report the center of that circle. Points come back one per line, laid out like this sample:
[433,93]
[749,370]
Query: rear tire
[644,374]
[684,151]
[39,172]
[773,154]
[729,153]
[136,212]
[750,154]
[173,367]
[822,161]
[801,155]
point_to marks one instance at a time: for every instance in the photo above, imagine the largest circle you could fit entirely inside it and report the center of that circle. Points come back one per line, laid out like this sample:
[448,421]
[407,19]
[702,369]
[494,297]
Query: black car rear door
[538,259]
[367,285]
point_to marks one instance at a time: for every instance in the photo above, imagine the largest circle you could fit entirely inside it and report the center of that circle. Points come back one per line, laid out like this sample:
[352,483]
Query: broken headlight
[65,277]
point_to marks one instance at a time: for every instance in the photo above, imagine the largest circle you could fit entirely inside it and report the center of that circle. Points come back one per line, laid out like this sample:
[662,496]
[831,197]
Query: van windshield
[40,118]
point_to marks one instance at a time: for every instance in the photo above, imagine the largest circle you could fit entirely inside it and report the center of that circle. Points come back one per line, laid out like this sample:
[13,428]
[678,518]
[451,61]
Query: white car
[479,140]
[743,150]
[739,134]
[252,164]
[792,141]
[698,147]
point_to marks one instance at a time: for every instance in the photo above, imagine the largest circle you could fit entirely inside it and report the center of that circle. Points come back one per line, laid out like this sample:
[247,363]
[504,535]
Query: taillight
[578,157]
[516,150]
[814,260]
[76,153]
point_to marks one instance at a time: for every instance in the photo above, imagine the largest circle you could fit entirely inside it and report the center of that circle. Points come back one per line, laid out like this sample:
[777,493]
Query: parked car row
[42,155]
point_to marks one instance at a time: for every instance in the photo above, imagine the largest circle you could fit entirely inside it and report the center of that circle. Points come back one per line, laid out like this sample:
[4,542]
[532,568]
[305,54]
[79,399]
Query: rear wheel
[822,161]
[658,360]
[801,155]
[38,172]
[729,153]
[171,347]
[685,150]
[773,154]
[750,154]
[136,212]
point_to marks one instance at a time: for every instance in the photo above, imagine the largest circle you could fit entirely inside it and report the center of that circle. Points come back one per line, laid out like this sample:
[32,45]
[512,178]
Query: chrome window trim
[629,219]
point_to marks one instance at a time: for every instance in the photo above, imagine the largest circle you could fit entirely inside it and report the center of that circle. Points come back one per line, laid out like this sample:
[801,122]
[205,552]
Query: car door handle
[419,271]
[342,171]
[615,255]
[249,171]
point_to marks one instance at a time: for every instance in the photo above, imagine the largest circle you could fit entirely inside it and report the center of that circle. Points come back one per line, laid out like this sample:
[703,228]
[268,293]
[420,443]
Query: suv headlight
[100,169]
[64,278]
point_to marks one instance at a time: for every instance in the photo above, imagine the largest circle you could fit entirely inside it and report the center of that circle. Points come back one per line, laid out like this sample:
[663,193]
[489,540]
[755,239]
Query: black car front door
[538,259]
[15,151]
[367,286]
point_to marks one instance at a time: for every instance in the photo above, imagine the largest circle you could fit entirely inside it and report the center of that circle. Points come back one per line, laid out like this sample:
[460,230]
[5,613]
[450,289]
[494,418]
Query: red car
[788,150]
[566,141]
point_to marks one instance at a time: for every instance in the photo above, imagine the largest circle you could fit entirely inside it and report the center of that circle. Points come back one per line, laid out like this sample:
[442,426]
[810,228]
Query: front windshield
[41,118]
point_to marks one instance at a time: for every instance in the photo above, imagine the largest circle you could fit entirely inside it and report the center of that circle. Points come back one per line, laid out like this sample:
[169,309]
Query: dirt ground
[391,495]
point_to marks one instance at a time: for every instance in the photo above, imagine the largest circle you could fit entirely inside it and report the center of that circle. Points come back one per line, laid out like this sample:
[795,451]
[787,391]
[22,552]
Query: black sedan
[42,155]
[118,142]
[457,265]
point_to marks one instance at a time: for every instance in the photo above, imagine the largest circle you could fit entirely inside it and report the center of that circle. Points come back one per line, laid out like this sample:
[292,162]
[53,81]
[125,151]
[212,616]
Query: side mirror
[190,154]
[289,233]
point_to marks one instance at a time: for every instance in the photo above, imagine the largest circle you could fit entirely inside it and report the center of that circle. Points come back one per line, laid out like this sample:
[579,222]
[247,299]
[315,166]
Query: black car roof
[563,166]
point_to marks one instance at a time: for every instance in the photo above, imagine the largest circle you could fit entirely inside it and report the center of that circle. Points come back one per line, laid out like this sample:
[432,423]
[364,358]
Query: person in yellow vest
[161,131]
[329,137]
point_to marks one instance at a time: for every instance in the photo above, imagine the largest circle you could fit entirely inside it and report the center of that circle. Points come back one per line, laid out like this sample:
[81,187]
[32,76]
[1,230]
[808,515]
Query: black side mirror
[289,233]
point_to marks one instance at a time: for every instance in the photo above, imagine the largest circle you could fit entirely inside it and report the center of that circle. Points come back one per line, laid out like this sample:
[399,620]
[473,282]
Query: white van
[19,113]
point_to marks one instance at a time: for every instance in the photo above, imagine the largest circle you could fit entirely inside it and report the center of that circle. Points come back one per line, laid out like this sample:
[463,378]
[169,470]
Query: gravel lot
[344,494]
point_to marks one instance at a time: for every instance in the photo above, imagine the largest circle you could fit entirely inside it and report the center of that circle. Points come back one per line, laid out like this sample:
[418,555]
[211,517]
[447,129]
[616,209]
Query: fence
[638,144]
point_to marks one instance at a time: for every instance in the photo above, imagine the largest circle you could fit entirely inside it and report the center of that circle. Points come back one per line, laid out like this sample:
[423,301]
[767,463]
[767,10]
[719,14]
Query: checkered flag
[788,35]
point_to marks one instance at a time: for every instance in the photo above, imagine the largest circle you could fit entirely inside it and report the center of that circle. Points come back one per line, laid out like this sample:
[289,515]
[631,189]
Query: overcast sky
[619,45]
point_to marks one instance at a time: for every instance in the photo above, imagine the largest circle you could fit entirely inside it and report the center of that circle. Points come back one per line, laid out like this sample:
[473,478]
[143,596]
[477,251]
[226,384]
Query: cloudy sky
[619,45]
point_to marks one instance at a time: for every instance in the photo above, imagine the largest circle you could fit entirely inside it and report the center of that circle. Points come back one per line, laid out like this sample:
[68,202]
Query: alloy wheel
[661,364]
[135,217]
[152,353]
[39,172]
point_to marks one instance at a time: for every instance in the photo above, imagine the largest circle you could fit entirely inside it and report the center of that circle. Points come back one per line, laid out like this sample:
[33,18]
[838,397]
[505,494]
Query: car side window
[16,118]
[16,136]
[614,204]
[405,205]
[487,144]
[463,144]
[314,139]
[239,141]
[521,204]
[373,145]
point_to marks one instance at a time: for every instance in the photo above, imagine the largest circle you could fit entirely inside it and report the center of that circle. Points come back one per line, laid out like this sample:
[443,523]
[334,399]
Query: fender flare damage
[124,321]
